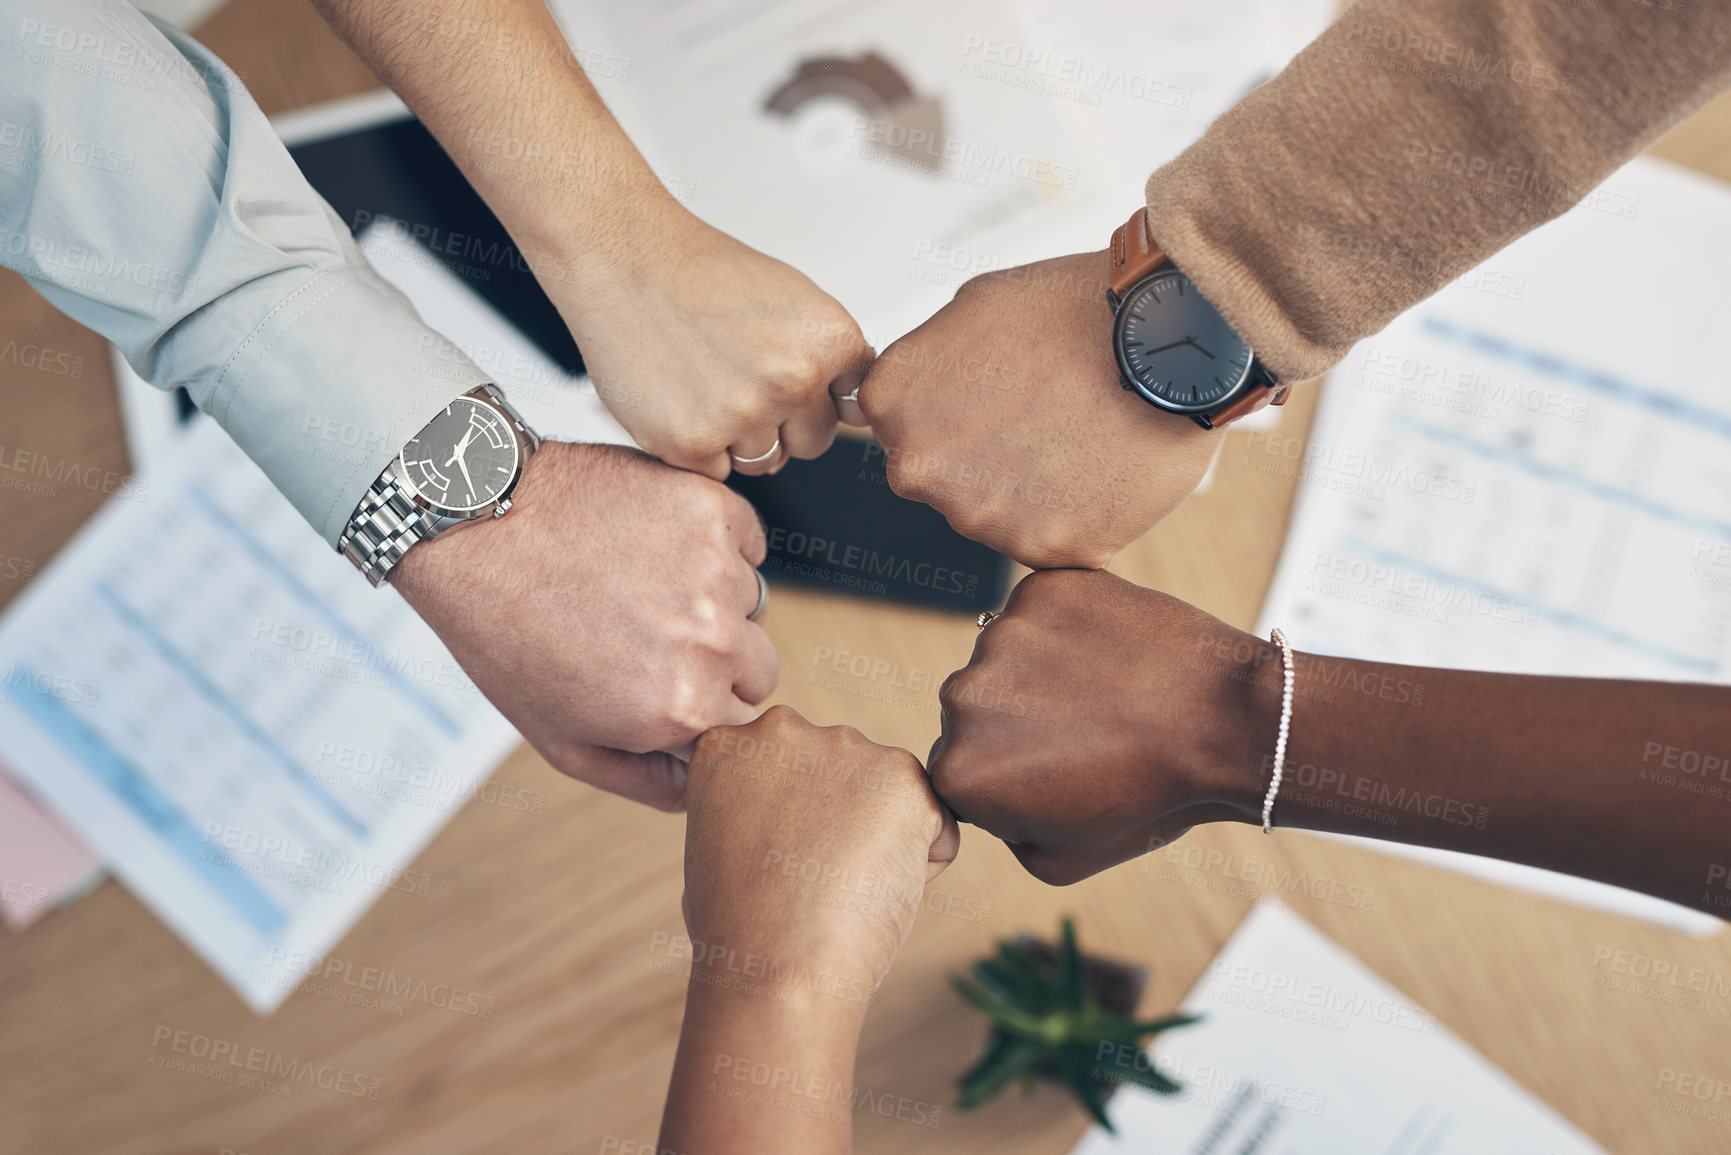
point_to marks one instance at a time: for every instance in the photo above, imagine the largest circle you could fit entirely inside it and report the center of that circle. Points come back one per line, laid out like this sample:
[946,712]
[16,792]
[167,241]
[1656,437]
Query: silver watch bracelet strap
[382,528]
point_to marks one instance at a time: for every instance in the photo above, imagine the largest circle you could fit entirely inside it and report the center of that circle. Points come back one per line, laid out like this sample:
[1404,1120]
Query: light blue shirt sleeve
[143,193]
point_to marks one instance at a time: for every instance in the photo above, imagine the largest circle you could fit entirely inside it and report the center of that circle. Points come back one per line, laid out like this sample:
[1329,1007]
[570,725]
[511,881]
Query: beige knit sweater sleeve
[1411,141]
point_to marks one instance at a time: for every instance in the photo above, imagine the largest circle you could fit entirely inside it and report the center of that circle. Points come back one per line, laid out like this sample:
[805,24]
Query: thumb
[656,779]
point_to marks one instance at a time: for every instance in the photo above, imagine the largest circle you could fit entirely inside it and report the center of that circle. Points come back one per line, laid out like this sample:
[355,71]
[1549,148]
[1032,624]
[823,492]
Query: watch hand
[463,464]
[462,446]
[1173,345]
[1199,348]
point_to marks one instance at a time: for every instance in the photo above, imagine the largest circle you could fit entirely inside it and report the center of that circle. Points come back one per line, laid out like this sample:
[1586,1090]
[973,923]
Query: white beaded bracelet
[1290,676]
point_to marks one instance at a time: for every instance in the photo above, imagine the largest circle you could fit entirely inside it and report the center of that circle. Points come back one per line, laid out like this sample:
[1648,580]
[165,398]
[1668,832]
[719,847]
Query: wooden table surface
[556,919]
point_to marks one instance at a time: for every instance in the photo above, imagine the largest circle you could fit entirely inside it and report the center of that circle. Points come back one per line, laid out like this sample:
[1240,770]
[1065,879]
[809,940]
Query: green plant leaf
[1071,973]
[1153,1026]
[1023,960]
[1010,982]
[1078,1066]
[1012,1019]
[1007,1059]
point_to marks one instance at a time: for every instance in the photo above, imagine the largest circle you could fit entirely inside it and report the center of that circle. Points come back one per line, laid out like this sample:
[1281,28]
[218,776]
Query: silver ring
[853,396]
[760,458]
[762,596]
[987,618]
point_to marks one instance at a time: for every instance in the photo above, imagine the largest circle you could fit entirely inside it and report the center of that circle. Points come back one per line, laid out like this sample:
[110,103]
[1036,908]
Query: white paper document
[1304,1051]
[256,741]
[1531,473]
[892,149]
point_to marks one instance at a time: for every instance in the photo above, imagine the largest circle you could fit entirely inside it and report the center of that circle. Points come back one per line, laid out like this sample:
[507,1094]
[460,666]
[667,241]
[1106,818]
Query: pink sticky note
[41,863]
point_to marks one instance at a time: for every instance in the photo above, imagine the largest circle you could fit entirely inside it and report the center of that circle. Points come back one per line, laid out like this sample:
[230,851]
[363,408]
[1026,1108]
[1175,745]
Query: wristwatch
[1174,348]
[461,466]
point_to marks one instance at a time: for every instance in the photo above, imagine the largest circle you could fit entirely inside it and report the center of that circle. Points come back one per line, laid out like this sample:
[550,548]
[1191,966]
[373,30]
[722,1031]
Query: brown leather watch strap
[1253,399]
[1134,253]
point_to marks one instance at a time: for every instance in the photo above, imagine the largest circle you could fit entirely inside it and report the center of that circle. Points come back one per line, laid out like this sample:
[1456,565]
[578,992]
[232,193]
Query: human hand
[705,348]
[1098,721]
[605,615]
[1004,412]
[809,844]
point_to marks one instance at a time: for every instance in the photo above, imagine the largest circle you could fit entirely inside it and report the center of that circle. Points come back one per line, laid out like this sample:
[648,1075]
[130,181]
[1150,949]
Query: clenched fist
[606,615]
[809,844]
[1098,720]
[1004,412]
[712,355]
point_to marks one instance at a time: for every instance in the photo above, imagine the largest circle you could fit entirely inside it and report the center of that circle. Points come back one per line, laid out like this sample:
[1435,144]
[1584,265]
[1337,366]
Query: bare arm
[1132,716]
[706,350]
[806,852]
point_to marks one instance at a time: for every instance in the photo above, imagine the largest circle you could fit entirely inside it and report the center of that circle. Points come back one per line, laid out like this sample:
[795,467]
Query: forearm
[496,83]
[1410,142]
[1623,782]
[762,1072]
[154,204]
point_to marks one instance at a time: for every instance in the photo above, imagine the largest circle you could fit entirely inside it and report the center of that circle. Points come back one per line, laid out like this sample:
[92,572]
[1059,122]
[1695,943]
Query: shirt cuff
[324,391]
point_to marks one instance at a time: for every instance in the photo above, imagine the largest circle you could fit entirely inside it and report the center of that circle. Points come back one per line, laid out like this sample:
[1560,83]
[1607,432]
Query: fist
[1098,721]
[716,357]
[605,615]
[809,844]
[1004,412]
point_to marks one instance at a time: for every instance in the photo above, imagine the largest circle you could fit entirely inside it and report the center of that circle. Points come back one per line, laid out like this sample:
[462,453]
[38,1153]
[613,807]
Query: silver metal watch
[463,465]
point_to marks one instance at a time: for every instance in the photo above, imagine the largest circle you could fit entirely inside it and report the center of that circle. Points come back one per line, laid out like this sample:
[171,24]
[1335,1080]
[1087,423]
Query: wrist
[466,557]
[605,235]
[1239,725]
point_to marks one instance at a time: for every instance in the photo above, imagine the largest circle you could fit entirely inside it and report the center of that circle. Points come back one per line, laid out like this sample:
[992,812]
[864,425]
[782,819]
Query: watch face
[1175,349]
[465,457]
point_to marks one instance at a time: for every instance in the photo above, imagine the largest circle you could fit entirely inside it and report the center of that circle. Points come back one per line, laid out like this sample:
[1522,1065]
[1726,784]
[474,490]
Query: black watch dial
[1175,349]
[464,459]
